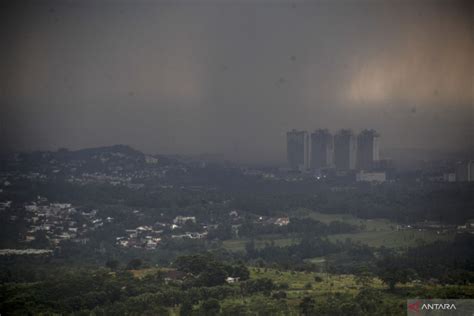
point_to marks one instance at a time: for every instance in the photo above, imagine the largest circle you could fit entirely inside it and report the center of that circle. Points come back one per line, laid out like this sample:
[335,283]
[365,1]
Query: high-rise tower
[345,149]
[297,148]
[367,149]
[322,150]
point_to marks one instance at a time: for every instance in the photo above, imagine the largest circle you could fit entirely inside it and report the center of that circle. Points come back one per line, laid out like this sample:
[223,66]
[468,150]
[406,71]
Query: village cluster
[149,237]
[56,222]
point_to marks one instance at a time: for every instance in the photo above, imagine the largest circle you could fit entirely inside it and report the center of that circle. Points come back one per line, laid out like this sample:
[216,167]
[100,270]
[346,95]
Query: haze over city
[237,157]
[233,77]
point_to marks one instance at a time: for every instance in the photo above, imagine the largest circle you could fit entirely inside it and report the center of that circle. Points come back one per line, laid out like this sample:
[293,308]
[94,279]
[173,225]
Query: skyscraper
[367,149]
[345,149]
[322,149]
[297,148]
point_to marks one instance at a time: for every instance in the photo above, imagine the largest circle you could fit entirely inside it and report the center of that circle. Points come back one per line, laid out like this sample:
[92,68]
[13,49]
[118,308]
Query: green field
[378,224]
[394,239]
[299,282]
[239,244]
[298,285]
[374,232]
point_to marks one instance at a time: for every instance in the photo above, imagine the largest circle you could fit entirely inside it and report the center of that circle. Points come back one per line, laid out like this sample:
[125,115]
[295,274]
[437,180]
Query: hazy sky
[232,77]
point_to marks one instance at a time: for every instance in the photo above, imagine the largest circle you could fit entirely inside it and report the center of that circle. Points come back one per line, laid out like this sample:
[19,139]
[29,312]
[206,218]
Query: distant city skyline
[343,150]
[232,77]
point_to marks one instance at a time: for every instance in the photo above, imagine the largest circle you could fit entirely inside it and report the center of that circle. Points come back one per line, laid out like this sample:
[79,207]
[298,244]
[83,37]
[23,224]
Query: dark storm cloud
[232,77]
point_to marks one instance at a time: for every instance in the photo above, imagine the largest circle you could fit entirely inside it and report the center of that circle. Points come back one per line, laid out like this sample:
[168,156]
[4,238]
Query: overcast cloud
[232,77]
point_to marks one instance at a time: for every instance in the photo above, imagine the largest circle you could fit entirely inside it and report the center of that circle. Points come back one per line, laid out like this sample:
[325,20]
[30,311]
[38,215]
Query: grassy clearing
[377,232]
[302,283]
[239,244]
[367,224]
[391,239]
[374,232]
[394,239]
